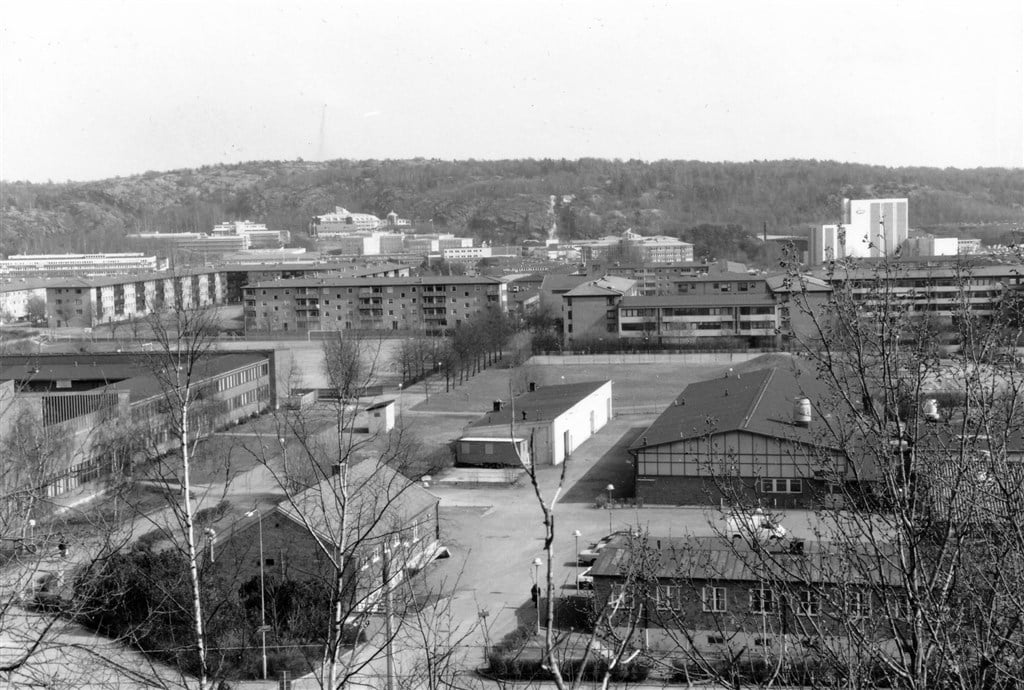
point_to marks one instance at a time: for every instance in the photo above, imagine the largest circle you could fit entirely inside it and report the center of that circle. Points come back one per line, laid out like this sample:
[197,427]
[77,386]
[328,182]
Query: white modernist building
[873,227]
[63,265]
[824,245]
[341,221]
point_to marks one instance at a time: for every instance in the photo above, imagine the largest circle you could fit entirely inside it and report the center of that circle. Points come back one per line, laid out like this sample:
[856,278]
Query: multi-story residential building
[66,265]
[240,275]
[590,310]
[103,412]
[15,297]
[341,221]
[655,278]
[86,302]
[751,319]
[966,245]
[431,304]
[873,227]
[939,291]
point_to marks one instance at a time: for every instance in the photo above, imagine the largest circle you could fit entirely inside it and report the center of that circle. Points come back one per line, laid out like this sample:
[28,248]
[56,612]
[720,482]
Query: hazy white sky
[93,88]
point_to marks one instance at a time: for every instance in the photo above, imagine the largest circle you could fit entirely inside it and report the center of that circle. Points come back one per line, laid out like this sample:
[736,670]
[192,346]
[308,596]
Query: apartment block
[590,310]
[86,302]
[430,304]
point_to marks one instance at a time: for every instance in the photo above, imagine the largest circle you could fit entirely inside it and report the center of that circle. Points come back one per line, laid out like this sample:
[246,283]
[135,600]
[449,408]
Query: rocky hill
[505,201]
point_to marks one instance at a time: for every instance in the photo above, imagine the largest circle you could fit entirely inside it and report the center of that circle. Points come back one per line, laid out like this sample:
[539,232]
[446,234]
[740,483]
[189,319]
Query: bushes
[517,667]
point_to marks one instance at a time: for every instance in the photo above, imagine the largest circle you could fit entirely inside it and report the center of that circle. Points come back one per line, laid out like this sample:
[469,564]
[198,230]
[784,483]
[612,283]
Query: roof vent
[930,410]
[802,412]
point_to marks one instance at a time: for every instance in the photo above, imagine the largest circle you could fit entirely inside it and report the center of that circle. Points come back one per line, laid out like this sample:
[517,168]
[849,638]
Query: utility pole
[388,623]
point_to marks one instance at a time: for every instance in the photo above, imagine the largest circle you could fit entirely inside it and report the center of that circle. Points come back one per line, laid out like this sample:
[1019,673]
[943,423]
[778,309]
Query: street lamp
[536,568]
[576,558]
[263,593]
[610,488]
[212,534]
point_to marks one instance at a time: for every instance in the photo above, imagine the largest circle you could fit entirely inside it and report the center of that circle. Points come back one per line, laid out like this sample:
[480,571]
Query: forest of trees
[505,201]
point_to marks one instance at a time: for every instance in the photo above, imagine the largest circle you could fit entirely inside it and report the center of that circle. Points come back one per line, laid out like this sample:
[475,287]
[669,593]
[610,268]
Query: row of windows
[761,600]
[249,397]
[239,377]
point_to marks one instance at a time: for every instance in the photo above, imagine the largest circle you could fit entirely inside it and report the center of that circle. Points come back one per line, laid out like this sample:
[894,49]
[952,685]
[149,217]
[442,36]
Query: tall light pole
[212,534]
[536,568]
[610,488]
[576,558]
[263,594]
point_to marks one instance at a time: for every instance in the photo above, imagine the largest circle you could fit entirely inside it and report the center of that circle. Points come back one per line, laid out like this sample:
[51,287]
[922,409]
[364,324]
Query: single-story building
[546,424]
[755,437]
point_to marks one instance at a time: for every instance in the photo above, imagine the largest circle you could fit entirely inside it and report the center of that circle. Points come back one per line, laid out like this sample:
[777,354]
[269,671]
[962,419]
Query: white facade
[824,245]
[456,253]
[932,246]
[874,227]
[14,301]
[43,265]
[341,222]
[583,420]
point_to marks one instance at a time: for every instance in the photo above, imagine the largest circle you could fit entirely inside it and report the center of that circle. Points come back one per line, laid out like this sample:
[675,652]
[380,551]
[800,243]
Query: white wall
[576,421]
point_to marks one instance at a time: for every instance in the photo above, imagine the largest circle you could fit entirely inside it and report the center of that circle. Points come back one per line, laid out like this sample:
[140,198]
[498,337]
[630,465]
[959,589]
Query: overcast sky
[94,89]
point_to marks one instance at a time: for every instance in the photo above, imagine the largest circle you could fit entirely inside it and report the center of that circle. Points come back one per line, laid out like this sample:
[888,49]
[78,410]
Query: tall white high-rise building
[873,227]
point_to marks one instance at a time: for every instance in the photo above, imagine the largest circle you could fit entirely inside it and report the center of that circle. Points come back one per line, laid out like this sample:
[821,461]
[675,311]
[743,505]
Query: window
[713,599]
[782,486]
[716,639]
[488,449]
[762,600]
[858,604]
[668,597]
[809,603]
[622,597]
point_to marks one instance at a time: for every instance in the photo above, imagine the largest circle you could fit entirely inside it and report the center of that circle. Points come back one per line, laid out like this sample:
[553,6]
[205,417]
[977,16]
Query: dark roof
[379,404]
[715,559]
[760,402]
[559,282]
[123,279]
[544,404]
[380,501]
[117,371]
[346,267]
[805,283]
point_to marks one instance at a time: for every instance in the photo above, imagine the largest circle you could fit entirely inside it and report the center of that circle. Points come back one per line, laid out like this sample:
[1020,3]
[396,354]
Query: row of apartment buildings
[757,309]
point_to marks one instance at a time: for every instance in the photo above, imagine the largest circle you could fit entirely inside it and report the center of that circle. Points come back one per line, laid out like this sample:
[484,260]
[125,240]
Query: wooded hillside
[505,201]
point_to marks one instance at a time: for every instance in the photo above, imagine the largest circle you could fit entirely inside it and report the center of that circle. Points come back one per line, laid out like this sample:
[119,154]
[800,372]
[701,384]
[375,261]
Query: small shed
[380,417]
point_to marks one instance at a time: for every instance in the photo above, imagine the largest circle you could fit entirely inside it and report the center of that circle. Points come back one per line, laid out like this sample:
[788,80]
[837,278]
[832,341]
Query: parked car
[757,526]
[585,580]
[588,555]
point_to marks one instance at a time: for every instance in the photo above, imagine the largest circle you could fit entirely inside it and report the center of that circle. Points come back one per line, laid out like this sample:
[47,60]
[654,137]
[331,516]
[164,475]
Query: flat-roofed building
[105,412]
[549,423]
[64,265]
[341,221]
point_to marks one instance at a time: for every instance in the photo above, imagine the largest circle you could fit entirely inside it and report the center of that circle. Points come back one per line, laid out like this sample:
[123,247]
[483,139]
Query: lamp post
[212,534]
[610,488]
[576,559]
[536,568]
[263,594]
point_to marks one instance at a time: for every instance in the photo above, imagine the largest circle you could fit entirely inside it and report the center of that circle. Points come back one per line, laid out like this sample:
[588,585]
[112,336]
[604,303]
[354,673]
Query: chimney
[533,386]
[496,407]
[802,412]
[524,415]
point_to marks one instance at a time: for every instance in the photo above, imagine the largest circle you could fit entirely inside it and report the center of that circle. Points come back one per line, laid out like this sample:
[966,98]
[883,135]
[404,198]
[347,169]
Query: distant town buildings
[259,236]
[64,265]
[649,249]
[341,221]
